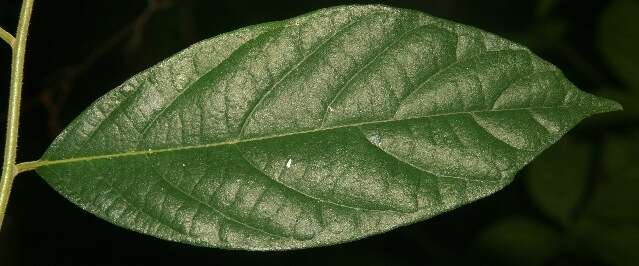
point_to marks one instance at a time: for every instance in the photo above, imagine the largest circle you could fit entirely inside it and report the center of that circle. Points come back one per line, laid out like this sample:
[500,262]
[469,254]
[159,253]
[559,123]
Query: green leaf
[519,241]
[326,128]
[618,37]
[557,179]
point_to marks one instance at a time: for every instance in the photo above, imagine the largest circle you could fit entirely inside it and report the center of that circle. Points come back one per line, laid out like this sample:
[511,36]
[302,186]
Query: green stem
[13,115]
[7,37]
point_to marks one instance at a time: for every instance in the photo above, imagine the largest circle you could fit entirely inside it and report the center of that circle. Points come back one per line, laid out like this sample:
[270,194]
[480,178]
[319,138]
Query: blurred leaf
[546,34]
[555,188]
[519,241]
[614,244]
[620,156]
[616,199]
[544,7]
[619,39]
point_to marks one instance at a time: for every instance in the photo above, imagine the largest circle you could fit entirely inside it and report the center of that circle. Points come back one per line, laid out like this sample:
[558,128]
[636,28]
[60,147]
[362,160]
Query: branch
[7,37]
[13,115]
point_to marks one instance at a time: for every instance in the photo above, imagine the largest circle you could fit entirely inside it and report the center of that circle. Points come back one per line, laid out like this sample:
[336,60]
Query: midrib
[26,166]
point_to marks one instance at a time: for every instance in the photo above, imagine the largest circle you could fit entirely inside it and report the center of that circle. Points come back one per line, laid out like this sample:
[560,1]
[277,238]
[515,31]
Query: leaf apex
[599,105]
[608,105]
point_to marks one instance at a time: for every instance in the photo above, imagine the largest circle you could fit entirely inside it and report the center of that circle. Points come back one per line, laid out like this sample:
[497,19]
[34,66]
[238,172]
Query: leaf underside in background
[325,128]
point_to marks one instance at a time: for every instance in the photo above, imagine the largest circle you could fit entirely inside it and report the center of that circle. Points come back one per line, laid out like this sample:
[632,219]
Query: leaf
[325,128]
[557,179]
[618,39]
[519,241]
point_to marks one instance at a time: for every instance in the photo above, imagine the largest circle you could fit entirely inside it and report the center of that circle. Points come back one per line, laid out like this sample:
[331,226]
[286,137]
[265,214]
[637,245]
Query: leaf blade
[401,116]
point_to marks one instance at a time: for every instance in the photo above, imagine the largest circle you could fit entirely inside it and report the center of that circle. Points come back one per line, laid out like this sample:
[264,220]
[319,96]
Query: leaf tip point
[604,105]
[611,106]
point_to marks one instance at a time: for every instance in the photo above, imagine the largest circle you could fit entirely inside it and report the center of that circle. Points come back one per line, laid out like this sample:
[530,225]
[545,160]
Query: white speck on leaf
[375,139]
[288,163]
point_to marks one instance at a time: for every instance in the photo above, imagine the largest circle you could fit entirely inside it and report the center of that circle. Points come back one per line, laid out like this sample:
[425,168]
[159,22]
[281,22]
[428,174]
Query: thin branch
[7,37]
[13,115]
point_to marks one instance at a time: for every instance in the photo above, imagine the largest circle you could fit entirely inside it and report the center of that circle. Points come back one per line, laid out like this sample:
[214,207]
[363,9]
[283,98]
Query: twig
[7,37]
[13,115]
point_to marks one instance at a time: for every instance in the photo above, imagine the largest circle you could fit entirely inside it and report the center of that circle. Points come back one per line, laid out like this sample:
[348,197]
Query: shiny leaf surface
[321,129]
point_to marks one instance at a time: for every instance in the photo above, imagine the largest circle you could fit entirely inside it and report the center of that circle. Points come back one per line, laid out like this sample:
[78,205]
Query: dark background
[575,205]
